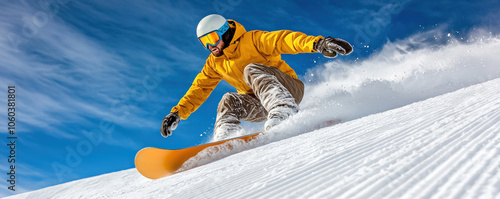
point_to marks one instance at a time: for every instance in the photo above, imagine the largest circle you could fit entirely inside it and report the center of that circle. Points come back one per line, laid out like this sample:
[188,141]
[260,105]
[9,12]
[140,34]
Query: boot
[278,115]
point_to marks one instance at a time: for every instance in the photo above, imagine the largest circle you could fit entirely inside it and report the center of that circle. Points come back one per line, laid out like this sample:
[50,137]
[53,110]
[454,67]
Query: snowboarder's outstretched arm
[284,42]
[289,42]
[204,83]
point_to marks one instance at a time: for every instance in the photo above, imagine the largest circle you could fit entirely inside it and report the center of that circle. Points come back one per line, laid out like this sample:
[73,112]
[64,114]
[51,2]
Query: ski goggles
[213,38]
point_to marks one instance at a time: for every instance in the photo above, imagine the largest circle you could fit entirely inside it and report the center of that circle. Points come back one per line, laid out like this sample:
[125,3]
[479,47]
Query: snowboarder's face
[217,50]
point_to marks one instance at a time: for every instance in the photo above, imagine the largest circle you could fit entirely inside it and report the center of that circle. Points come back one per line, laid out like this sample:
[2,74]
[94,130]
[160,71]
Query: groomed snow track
[443,147]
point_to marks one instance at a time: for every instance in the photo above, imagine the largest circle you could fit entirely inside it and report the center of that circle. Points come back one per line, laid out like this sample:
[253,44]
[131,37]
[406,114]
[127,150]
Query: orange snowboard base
[154,163]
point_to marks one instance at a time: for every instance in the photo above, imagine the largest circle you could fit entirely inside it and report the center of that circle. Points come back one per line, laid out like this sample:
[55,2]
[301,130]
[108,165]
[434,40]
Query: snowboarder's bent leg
[279,93]
[234,107]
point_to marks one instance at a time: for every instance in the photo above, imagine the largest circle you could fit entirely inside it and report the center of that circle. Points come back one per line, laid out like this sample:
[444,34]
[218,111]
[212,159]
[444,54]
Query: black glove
[331,46]
[169,123]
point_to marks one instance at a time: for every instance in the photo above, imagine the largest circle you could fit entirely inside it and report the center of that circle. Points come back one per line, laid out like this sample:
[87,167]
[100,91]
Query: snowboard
[154,163]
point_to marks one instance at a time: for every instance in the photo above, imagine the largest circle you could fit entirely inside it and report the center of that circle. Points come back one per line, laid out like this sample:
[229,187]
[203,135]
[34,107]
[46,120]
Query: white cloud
[62,75]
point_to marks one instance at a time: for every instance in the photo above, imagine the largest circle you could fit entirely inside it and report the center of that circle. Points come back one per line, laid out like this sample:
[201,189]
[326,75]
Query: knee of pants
[227,102]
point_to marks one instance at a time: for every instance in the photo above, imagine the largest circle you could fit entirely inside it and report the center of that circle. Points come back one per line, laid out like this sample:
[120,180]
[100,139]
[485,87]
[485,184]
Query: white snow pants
[274,92]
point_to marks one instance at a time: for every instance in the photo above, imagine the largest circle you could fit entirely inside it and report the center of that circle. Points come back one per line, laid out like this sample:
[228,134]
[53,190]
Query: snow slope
[391,144]
[443,147]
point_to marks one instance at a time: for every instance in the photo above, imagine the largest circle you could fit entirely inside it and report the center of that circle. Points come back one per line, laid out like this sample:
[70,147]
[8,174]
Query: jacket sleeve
[204,83]
[284,42]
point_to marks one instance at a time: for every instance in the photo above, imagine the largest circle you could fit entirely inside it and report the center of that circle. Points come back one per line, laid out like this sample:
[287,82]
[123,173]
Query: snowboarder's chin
[217,52]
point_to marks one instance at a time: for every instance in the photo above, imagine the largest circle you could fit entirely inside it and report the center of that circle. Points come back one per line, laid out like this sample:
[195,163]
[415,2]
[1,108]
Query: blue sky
[95,78]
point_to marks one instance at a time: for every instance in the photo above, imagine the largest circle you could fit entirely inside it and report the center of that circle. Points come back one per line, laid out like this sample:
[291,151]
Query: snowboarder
[267,87]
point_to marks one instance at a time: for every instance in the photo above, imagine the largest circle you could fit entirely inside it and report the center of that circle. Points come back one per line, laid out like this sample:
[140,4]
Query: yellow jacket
[245,48]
